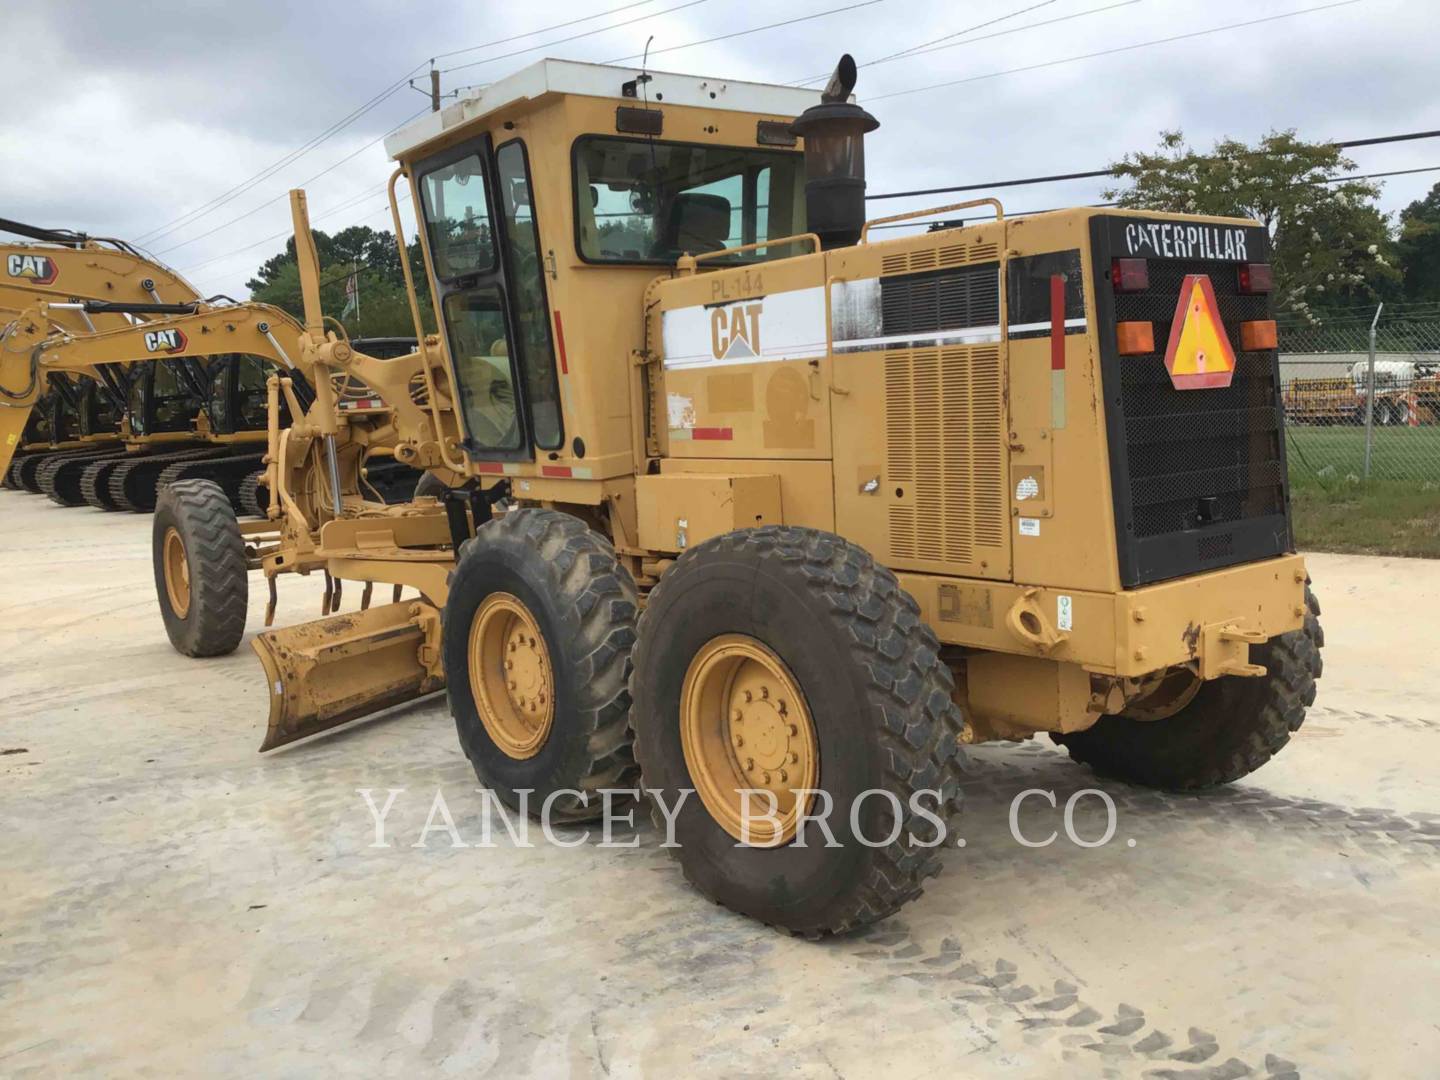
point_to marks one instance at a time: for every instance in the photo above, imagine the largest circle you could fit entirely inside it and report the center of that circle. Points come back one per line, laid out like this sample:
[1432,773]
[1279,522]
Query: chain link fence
[1347,423]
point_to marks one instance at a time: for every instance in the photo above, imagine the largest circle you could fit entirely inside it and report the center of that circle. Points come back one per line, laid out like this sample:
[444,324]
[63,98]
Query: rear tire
[1234,725]
[878,697]
[563,583]
[200,571]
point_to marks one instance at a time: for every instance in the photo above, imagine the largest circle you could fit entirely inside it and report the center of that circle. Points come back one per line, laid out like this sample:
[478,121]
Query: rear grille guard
[1199,476]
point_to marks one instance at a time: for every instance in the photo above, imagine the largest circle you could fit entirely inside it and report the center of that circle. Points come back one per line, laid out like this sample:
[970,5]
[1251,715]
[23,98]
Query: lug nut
[784,777]
[765,693]
[794,730]
[512,684]
[509,665]
[767,777]
[749,697]
[749,764]
[794,758]
[736,716]
[739,740]
[781,708]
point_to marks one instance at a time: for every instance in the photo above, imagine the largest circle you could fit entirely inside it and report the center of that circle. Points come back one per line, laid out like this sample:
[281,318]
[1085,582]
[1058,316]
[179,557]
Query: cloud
[127,116]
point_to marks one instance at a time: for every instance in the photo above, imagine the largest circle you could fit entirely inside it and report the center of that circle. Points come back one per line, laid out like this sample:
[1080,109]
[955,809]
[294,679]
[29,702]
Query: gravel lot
[173,903]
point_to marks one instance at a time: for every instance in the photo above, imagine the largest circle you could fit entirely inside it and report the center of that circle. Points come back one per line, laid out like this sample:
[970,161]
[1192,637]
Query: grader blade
[325,673]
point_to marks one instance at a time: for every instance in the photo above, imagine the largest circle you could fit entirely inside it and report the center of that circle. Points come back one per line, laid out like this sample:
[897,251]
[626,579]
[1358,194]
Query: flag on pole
[352,295]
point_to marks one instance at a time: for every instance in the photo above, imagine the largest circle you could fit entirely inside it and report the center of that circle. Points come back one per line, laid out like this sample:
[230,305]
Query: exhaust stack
[834,133]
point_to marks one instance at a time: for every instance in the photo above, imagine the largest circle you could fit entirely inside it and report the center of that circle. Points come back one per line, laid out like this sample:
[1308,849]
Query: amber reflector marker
[1255,336]
[1136,338]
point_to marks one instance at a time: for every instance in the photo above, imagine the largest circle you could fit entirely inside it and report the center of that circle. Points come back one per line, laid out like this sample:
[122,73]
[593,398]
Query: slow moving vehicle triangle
[1199,355]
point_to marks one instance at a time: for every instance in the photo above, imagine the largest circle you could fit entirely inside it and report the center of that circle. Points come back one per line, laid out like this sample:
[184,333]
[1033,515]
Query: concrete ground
[175,904]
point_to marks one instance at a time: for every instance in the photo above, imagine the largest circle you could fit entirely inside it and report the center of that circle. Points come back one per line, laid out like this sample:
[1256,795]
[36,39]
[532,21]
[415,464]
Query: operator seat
[698,222]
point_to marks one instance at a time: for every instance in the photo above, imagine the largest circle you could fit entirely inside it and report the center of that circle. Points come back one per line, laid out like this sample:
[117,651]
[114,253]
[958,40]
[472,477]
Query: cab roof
[603,81]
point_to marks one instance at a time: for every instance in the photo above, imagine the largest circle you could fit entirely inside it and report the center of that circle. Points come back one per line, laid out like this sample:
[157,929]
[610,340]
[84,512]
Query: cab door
[482,247]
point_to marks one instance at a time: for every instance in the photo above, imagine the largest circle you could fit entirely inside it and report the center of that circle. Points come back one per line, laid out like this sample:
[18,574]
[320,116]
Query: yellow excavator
[140,424]
[750,509]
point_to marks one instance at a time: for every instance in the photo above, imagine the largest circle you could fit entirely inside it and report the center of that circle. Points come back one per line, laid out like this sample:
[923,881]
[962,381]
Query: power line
[1094,173]
[572,37]
[286,234]
[959,33]
[192,215]
[542,30]
[1115,51]
[285,194]
[751,30]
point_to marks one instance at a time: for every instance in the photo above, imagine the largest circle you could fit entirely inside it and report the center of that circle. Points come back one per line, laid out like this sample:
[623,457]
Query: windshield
[643,201]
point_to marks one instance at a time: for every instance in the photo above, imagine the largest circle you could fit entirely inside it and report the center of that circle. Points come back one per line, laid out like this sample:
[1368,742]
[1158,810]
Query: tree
[373,256]
[1331,244]
[1419,247]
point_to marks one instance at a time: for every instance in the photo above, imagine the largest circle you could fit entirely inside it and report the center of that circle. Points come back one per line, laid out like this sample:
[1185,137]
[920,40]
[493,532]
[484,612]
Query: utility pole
[434,87]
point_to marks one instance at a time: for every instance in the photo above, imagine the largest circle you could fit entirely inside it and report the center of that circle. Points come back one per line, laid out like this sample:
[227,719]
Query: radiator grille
[943,431]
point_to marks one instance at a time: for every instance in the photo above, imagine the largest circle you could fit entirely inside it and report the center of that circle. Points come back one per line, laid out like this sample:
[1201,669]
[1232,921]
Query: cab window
[646,201]
[457,218]
[479,346]
[526,278]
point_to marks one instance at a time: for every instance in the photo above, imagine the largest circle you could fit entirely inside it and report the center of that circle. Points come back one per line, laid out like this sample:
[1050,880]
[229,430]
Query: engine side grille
[943,432]
[952,299]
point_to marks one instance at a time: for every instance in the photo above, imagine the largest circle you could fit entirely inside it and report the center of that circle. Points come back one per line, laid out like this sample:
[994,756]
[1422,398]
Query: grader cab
[745,505]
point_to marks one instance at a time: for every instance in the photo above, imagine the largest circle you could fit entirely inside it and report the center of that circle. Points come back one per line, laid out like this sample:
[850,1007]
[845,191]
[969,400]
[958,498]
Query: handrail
[778,242]
[911,215]
[432,399]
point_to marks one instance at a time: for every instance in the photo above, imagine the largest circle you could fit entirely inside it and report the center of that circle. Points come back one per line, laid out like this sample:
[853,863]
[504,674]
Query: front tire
[1234,724]
[538,629]
[200,569]
[797,612]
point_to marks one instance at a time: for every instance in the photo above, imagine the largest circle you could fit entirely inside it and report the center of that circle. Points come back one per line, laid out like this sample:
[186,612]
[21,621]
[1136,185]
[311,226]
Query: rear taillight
[1129,275]
[1135,338]
[1254,278]
[1259,335]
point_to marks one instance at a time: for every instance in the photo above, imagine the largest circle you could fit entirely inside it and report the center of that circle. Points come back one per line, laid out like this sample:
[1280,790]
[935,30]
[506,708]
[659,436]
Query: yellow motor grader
[764,513]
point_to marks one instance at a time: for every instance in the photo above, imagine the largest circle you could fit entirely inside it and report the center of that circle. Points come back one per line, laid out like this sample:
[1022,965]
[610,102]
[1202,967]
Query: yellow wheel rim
[511,679]
[744,724]
[177,573]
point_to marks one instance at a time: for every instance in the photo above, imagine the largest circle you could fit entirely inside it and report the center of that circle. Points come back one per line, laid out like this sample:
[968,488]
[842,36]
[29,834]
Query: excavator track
[12,474]
[134,485]
[95,483]
[27,469]
[254,495]
[59,478]
[229,472]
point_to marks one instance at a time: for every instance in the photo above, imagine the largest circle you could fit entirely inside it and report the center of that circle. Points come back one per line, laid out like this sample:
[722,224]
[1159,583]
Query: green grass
[1383,517]
[1333,453]
[1395,512]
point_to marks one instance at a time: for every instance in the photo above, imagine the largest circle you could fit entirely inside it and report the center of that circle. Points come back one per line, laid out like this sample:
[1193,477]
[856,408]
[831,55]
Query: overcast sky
[126,115]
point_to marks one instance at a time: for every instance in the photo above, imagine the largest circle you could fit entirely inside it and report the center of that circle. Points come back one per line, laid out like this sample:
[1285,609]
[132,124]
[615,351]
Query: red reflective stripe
[560,344]
[489,467]
[720,434]
[554,470]
[1057,322]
